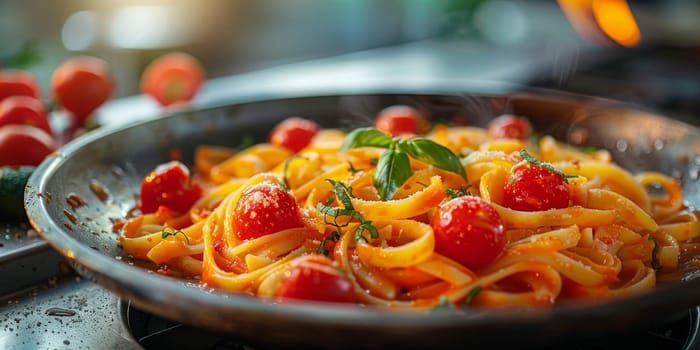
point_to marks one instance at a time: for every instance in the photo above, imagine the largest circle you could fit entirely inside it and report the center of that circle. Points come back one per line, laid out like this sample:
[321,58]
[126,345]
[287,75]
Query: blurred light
[79,31]
[602,20]
[501,22]
[147,27]
[615,19]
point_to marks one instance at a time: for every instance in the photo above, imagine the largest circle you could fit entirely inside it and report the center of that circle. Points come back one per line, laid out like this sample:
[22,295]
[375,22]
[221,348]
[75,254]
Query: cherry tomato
[24,110]
[469,231]
[510,126]
[314,277]
[265,208]
[173,77]
[293,133]
[81,84]
[397,120]
[18,82]
[24,145]
[169,185]
[534,188]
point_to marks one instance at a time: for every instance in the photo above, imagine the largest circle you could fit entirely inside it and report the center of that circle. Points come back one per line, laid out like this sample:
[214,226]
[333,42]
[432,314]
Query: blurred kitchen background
[645,52]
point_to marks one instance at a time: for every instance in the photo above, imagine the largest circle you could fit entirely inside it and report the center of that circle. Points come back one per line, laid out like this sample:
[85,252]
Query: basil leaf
[433,153]
[392,171]
[366,137]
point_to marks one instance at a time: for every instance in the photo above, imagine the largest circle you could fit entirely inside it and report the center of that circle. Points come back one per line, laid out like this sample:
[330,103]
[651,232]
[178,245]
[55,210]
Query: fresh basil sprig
[394,166]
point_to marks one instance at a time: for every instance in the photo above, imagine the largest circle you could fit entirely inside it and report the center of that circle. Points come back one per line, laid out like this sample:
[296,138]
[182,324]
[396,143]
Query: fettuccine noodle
[612,239]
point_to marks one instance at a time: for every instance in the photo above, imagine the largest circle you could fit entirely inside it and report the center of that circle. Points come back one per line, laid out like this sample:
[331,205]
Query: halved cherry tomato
[314,277]
[18,82]
[24,110]
[81,84]
[265,208]
[469,231]
[169,185]
[173,77]
[398,119]
[510,126]
[24,145]
[534,188]
[293,133]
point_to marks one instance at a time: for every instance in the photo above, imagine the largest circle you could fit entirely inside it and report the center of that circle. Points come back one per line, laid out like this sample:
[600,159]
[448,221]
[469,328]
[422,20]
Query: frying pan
[115,159]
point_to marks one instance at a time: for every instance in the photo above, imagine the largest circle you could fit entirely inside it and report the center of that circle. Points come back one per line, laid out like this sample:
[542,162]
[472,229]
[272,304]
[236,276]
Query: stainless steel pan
[117,158]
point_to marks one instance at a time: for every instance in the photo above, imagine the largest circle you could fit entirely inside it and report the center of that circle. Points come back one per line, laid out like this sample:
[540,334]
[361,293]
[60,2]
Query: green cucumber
[12,183]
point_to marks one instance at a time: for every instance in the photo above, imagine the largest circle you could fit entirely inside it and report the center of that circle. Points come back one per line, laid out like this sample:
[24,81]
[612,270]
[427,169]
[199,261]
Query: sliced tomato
[81,84]
[172,78]
[469,231]
[535,188]
[18,83]
[399,120]
[24,110]
[24,145]
[293,133]
[265,208]
[315,278]
[169,185]
[510,126]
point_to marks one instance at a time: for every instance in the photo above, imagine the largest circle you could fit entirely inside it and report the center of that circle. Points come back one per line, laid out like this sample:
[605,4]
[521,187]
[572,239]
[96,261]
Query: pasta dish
[400,215]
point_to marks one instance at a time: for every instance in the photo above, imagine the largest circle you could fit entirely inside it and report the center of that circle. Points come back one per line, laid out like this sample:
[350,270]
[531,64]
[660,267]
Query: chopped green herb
[534,139]
[352,169]
[655,264]
[470,297]
[245,143]
[331,215]
[334,236]
[169,231]
[452,193]
[528,157]
[374,161]
[588,150]
[444,304]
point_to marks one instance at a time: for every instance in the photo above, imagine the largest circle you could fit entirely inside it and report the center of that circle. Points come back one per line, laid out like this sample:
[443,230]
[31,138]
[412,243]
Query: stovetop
[45,305]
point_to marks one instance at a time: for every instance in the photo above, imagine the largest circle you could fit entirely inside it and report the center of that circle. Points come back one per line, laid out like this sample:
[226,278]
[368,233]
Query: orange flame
[597,19]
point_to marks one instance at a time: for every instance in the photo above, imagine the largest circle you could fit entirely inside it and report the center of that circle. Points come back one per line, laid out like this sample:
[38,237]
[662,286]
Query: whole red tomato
[469,231]
[314,278]
[172,78]
[24,145]
[24,110]
[510,126]
[293,133]
[263,209]
[18,82]
[399,119]
[534,188]
[169,185]
[81,84]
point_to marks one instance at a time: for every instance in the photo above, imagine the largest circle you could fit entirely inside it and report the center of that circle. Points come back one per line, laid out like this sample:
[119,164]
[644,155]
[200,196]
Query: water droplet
[658,144]
[621,145]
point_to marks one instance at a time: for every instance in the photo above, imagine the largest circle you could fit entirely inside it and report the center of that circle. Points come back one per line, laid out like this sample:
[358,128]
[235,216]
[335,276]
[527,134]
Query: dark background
[549,43]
